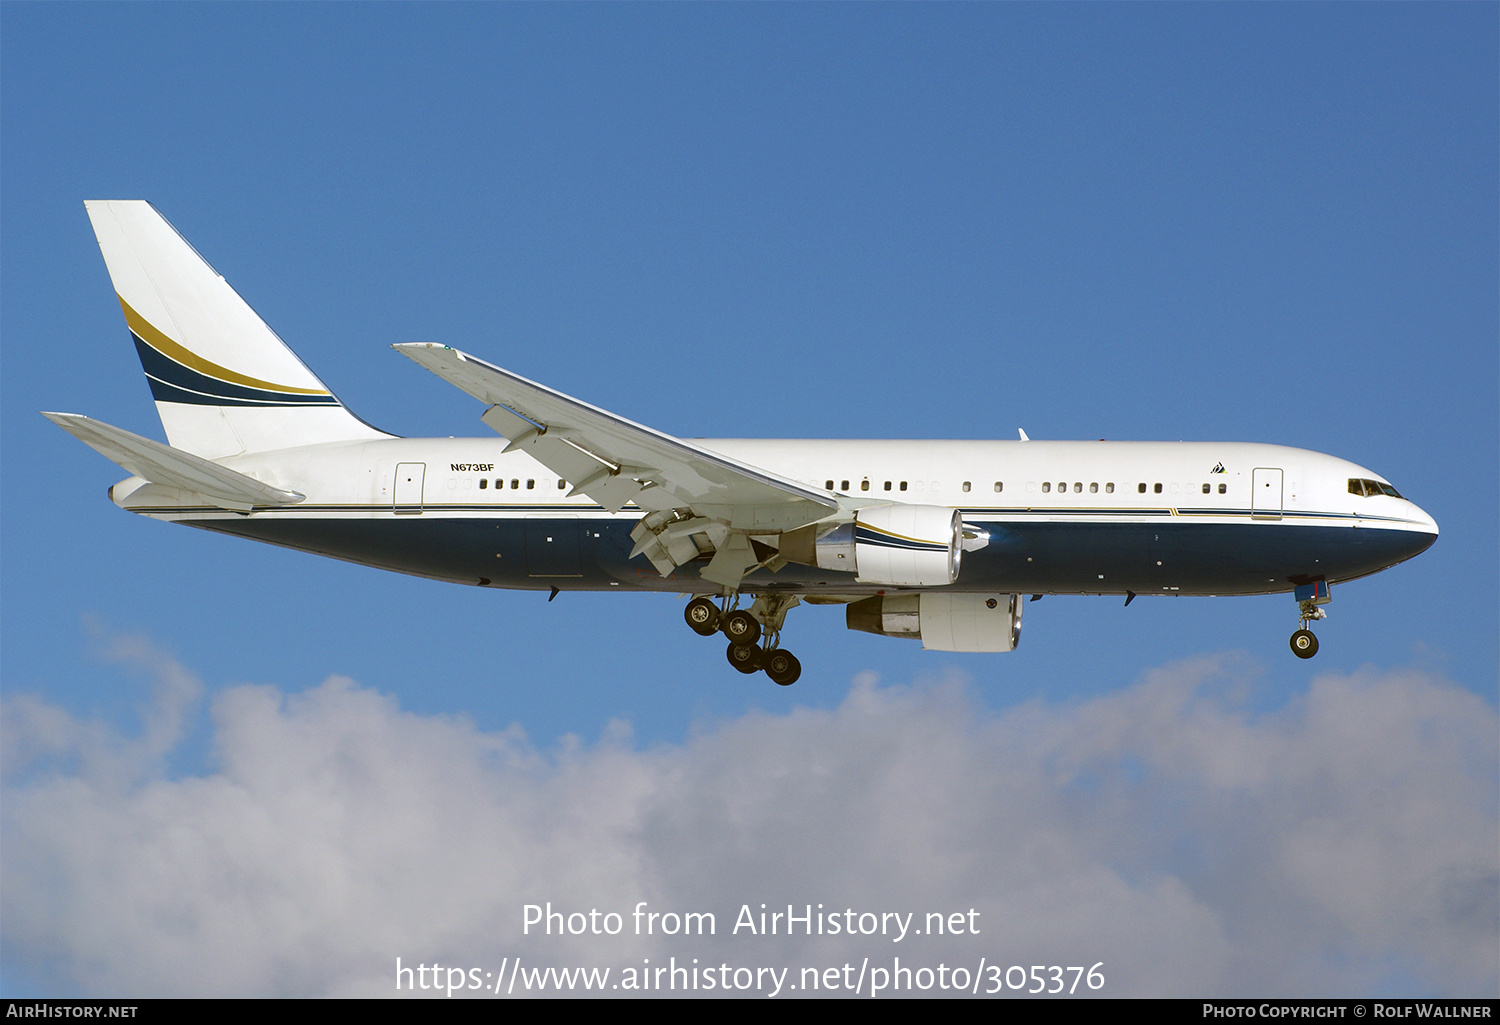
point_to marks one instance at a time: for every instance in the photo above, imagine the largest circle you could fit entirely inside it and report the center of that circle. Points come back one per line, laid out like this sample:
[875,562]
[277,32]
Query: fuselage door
[1265,493]
[407,493]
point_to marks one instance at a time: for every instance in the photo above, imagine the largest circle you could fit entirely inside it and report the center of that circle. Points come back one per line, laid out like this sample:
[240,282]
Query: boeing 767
[933,540]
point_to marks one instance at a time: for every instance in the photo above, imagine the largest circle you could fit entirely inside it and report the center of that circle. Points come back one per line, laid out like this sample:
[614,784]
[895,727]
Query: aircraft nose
[1423,532]
[1426,521]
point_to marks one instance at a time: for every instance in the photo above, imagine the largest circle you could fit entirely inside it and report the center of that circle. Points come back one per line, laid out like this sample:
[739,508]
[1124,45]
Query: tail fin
[223,382]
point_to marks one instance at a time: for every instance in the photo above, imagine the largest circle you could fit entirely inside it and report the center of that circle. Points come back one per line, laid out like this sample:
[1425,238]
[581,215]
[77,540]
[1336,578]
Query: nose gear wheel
[1304,644]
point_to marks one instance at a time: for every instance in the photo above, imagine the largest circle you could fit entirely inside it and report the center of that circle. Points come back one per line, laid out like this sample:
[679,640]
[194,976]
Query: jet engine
[897,545]
[943,622]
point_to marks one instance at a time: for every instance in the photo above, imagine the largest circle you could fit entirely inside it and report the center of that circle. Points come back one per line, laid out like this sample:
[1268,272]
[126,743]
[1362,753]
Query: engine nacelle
[943,622]
[898,545]
[908,545]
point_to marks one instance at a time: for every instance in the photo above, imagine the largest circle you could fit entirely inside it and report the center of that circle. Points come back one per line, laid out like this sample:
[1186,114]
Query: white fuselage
[1200,506]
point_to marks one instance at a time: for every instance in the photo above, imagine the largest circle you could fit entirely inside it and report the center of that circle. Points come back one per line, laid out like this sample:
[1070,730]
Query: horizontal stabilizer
[162,464]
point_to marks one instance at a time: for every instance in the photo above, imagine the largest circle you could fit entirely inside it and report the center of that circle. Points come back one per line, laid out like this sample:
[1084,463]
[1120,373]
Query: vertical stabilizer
[223,382]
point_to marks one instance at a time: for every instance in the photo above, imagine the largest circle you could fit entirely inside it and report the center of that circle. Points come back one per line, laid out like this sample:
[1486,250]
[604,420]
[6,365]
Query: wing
[684,488]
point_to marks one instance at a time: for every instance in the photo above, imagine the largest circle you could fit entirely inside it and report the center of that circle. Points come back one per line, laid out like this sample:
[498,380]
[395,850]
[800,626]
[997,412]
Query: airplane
[937,541]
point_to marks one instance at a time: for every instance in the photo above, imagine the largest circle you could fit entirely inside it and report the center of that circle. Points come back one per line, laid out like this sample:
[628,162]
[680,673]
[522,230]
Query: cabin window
[843,485]
[828,485]
[864,485]
[514,483]
[1078,487]
[1094,488]
[999,486]
[887,485]
[1046,487]
[562,485]
[1223,488]
[530,484]
[966,485]
[903,485]
[1109,489]
[1206,489]
[1141,488]
[1157,488]
[483,483]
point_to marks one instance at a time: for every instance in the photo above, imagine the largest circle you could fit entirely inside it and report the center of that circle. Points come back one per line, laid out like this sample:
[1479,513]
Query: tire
[1304,644]
[744,657]
[782,667]
[703,616]
[741,627]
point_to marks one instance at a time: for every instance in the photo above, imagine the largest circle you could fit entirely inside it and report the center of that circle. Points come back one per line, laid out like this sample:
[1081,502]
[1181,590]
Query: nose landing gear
[746,627]
[1309,597]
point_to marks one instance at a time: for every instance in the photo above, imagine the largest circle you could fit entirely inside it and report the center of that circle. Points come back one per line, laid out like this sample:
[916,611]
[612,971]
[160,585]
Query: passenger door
[406,497]
[1265,493]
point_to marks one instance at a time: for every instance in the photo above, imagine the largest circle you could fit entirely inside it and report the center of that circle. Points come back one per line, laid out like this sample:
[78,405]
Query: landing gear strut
[746,627]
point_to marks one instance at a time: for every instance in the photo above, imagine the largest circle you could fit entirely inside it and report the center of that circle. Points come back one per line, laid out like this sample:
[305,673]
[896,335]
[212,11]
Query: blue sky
[1206,222]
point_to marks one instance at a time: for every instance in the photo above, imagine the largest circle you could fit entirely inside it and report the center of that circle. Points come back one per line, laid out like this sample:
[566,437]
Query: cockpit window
[1367,488]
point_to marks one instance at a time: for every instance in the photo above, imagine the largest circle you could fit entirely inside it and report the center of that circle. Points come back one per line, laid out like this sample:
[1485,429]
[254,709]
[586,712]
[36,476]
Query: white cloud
[1343,844]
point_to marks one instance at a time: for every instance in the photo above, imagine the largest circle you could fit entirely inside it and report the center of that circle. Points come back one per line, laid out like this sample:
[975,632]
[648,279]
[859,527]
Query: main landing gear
[1309,597]
[745,628]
